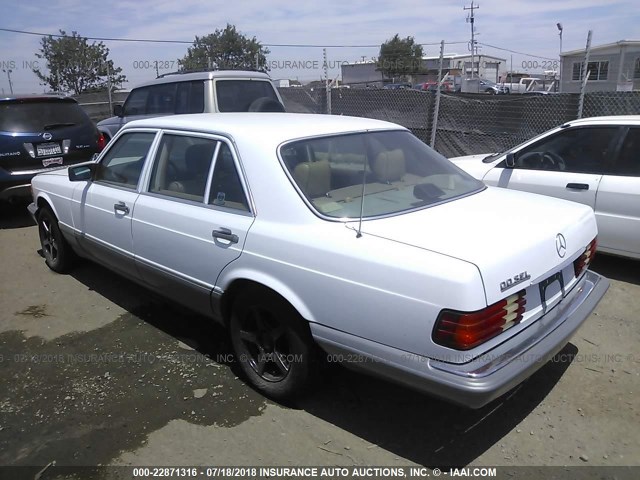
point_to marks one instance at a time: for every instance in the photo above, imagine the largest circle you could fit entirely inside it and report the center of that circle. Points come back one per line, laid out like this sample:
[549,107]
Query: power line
[519,53]
[186,42]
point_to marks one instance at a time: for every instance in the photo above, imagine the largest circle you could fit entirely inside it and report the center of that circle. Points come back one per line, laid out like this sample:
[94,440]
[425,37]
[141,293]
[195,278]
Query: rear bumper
[477,382]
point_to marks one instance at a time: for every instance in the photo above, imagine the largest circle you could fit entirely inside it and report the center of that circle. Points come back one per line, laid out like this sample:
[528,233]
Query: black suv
[39,133]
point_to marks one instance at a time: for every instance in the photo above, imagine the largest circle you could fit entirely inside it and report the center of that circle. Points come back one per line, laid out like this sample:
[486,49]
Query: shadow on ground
[15,215]
[617,268]
[85,410]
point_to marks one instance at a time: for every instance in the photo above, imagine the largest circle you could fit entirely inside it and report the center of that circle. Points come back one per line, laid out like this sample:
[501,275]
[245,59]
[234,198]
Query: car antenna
[364,181]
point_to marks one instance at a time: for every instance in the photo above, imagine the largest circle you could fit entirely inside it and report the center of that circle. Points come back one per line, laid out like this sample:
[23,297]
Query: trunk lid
[504,233]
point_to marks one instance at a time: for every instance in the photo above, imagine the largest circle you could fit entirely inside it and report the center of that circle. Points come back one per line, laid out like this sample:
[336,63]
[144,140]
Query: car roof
[186,77]
[271,128]
[36,98]
[609,120]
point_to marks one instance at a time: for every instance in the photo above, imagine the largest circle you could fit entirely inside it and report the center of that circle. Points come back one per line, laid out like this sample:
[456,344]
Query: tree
[75,65]
[225,49]
[400,57]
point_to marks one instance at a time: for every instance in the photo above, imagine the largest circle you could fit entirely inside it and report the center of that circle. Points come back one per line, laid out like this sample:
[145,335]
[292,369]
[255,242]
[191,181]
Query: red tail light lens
[581,263]
[102,142]
[464,331]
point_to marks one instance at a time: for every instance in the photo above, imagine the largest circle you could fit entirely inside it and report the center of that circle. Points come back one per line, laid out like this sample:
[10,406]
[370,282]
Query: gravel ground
[97,371]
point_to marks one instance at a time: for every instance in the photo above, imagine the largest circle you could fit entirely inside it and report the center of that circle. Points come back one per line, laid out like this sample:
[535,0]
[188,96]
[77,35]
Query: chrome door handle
[225,234]
[120,207]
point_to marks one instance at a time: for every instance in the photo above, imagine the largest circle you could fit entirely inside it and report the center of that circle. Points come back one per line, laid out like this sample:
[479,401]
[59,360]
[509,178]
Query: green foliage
[225,49]
[74,65]
[400,57]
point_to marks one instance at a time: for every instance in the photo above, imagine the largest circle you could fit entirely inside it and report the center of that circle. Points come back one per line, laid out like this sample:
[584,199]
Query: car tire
[272,344]
[58,254]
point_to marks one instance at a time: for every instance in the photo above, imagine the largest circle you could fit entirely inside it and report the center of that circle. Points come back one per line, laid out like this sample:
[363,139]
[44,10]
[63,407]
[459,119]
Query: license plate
[543,285]
[45,149]
[52,161]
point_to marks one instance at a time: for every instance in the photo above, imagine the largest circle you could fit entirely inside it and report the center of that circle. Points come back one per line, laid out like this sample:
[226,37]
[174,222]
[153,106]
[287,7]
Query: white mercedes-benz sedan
[594,161]
[312,235]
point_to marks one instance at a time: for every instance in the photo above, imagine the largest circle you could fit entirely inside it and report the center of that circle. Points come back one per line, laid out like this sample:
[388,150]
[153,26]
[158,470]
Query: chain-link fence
[466,124]
[469,124]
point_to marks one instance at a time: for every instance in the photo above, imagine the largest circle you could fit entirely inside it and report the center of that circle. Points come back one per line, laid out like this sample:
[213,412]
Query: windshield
[396,171]
[38,115]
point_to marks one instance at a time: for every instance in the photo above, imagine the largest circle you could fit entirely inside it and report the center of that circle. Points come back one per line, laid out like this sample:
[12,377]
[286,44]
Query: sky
[526,27]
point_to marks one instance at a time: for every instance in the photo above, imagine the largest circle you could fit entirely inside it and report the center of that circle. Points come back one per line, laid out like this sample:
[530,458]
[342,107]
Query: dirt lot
[95,370]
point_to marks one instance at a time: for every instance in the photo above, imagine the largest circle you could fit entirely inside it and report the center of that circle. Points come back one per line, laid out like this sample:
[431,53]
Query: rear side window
[628,163]
[238,95]
[181,167]
[37,116]
[123,162]
[190,97]
[226,187]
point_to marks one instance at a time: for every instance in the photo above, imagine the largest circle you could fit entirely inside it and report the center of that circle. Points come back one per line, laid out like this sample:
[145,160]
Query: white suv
[201,92]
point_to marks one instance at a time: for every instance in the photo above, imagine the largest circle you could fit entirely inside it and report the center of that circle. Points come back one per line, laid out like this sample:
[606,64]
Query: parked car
[39,133]
[397,86]
[593,161]
[447,86]
[208,92]
[482,85]
[348,234]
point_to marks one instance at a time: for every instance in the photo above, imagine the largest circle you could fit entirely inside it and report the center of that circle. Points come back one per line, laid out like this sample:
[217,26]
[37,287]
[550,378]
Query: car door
[568,164]
[105,205]
[192,219]
[618,200]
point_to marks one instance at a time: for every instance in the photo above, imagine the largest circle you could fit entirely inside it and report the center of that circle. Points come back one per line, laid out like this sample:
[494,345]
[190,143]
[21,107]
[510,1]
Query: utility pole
[8,71]
[436,109]
[327,82]
[585,74]
[109,86]
[471,19]
[559,25]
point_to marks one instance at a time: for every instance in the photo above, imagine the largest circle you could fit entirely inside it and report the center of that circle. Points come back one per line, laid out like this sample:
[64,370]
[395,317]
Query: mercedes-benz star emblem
[561,245]
[46,136]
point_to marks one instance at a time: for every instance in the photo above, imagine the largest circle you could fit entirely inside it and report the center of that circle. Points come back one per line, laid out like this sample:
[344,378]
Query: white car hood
[502,232]
[473,165]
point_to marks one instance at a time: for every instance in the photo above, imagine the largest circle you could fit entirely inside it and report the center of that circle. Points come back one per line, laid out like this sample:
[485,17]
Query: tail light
[581,263]
[102,142]
[463,331]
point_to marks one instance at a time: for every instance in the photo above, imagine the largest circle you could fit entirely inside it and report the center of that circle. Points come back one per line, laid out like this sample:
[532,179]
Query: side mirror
[81,173]
[510,161]
[118,110]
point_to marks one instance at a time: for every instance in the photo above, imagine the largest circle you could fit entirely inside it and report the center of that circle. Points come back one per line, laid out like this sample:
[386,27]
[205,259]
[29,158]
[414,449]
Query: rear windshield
[238,95]
[37,116]
[392,171]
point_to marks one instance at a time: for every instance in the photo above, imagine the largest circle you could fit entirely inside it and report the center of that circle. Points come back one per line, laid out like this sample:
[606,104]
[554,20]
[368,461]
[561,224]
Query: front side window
[577,150]
[162,98]
[123,162]
[390,172]
[181,167]
[238,95]
[136,103]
